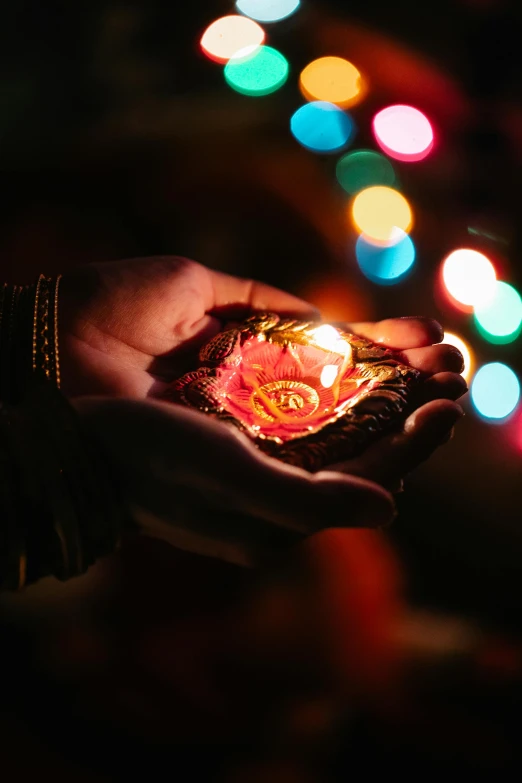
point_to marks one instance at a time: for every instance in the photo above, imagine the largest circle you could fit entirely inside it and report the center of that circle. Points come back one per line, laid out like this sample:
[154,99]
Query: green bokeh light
[258,73]
[499,321]
[362,169]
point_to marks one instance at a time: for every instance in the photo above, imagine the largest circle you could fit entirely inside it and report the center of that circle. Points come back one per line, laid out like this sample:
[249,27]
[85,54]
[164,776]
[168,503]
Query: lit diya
[307,393]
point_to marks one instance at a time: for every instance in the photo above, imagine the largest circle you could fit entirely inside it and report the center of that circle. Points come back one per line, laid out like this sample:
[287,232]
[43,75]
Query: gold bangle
[35,322]
[28,337]
[56,346]
[46,361]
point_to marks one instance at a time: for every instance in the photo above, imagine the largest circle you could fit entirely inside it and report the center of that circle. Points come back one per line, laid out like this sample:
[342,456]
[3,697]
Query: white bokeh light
[469,277]
[267,10]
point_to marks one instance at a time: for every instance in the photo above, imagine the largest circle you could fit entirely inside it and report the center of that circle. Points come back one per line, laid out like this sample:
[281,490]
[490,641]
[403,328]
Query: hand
[129,327]
[431,424]
[202,486]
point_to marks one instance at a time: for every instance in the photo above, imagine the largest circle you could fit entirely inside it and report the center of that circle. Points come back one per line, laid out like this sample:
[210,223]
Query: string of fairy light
[381,215]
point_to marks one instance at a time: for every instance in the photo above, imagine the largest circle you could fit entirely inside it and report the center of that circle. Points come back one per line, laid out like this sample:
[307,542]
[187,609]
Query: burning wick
[328,338]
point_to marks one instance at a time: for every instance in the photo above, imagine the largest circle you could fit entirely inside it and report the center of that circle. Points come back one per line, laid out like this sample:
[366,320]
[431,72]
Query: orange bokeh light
[332,79]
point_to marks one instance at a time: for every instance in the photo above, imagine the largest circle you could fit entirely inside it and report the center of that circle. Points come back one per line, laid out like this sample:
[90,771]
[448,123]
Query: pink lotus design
[285,391]
[306,393]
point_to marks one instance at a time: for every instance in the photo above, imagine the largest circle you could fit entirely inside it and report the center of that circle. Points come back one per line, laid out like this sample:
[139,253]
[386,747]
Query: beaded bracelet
[45,361]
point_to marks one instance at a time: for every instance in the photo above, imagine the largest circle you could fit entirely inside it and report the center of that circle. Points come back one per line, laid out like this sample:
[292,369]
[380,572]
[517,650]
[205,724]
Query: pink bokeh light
[403,133]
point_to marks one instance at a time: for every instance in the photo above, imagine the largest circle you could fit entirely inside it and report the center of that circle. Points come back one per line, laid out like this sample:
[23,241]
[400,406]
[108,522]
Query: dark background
[118,138]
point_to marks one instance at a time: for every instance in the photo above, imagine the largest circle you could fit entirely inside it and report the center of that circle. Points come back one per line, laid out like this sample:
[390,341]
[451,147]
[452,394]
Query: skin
[129,327]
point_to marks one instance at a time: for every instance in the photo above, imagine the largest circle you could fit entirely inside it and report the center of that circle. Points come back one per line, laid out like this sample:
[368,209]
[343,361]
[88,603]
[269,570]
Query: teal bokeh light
[385,264]
[322,127]
[499,320]
[362,169]
[258,73]
[267,10]
[495,391]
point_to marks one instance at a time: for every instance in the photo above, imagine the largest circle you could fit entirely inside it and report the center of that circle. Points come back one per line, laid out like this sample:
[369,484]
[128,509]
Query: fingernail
[455,359]
[443,424]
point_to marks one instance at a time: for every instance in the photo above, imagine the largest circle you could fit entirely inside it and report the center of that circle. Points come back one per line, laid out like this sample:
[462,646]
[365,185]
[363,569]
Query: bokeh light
[380,213]
[258,73]
[404,133]
[363,169]
[267,10]
[385,264]
[229,35]
[332,79]
[469,277]
[499,320]
[495,391]
[322,127]
[458,342]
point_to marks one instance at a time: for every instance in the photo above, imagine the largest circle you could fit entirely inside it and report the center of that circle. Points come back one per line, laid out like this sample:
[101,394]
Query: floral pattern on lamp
[307,393]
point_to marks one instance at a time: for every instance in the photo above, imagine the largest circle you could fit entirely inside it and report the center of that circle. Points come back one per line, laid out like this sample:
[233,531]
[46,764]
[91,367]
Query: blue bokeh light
[495,391]
[322,127]
[385,264]
[267,10]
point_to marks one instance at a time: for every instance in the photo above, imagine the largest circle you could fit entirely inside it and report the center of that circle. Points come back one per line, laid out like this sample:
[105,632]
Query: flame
[329,338]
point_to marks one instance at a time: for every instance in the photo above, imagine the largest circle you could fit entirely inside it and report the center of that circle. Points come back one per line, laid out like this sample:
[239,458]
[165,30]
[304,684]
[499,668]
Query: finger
[252,483]
[398,454]
[163,450]
[443,385]
[435,359]
[400,333]
[234,297]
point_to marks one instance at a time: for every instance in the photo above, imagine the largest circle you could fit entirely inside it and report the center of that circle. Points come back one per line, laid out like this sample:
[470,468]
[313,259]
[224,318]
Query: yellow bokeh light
[380,213]
[225,37]
[458,342]
[332,79]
